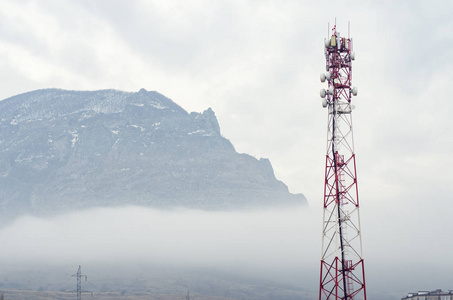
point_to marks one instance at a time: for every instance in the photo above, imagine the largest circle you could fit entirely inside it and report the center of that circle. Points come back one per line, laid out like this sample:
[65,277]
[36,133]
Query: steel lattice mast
[79,290]
[342,268]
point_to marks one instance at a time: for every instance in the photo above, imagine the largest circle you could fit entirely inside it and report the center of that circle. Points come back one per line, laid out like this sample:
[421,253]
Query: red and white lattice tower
[342,269]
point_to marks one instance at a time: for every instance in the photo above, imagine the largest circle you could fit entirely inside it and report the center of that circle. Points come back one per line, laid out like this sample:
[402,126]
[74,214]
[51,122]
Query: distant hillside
[143,282]
[64,150]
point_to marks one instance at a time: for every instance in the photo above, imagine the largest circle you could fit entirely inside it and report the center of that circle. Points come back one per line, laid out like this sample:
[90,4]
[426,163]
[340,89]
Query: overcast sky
[257,65]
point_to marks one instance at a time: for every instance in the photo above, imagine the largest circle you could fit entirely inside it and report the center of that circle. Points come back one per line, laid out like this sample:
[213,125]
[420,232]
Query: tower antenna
[342,274]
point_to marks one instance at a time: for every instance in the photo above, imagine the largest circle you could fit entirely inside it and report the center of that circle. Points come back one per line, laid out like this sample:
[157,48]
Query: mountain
[63,150]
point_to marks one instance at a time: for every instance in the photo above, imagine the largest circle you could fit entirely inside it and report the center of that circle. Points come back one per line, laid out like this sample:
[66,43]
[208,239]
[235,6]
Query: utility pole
[79,290]
[188,296]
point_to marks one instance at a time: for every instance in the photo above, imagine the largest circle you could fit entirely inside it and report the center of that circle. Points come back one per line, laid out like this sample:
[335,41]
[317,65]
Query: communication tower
[342,268]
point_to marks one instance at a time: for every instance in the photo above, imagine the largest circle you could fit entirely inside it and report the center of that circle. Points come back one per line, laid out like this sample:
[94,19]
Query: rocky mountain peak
[208,121]
[63,150]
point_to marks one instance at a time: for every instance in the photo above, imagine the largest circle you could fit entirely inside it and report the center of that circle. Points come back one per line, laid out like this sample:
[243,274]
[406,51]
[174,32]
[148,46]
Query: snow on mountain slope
[64,150]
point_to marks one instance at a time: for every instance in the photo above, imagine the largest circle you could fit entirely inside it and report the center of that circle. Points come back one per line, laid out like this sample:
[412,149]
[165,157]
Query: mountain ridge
[62,150]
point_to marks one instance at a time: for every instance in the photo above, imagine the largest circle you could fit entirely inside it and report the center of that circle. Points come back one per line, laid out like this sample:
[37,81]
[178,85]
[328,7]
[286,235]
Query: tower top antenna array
[342,266]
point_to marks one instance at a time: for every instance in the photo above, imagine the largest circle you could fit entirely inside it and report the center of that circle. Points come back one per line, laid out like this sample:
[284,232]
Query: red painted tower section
[342,267]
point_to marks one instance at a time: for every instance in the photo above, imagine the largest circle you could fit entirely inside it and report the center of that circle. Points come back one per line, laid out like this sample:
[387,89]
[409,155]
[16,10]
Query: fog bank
[275,244]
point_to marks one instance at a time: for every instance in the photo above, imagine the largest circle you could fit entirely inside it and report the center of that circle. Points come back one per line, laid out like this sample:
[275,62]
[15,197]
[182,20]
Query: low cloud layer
[281,245]
[282,241]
